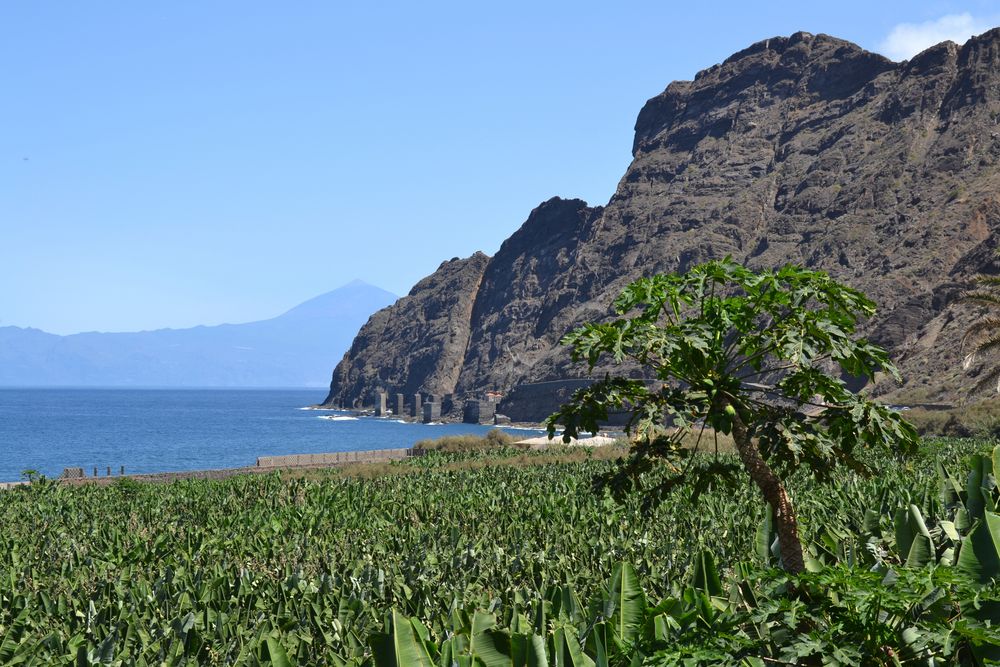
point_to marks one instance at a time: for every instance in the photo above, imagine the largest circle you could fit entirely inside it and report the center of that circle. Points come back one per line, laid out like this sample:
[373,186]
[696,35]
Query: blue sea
[159,430]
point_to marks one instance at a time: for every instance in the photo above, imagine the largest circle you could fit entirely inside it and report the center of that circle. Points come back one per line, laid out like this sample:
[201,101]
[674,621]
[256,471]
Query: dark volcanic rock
[416,344]
[805,149]
[521,308]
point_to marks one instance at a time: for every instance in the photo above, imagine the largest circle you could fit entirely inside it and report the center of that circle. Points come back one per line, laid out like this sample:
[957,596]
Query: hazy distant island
[295,349]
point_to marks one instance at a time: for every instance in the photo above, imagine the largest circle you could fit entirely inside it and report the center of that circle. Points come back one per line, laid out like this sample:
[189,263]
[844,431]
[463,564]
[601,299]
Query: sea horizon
[153,430]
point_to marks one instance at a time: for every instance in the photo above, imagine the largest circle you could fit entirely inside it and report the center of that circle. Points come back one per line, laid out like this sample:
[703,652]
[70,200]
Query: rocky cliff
[804,149]
[416,344]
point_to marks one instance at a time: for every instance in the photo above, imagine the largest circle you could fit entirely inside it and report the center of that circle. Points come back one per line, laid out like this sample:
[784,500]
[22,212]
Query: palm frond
[983,336]
[991,378]
[988,324]
[978,298]
[988,344]
[981,298]
[968,360]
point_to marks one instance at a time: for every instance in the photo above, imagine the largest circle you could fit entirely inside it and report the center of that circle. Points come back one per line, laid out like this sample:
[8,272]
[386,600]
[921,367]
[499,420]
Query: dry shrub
[981,419]
[454,444]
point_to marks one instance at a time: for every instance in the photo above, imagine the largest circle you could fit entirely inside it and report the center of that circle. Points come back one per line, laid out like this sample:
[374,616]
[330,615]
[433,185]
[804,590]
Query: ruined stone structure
[432,412]
[478,411]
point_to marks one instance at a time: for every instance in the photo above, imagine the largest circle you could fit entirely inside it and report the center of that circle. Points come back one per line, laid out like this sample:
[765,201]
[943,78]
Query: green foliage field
[265,570]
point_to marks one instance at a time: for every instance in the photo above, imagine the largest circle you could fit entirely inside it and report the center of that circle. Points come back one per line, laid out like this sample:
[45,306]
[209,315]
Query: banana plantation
[505,564]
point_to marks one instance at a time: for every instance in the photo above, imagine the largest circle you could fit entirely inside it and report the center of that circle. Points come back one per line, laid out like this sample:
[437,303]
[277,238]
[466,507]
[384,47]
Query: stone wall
[334,458]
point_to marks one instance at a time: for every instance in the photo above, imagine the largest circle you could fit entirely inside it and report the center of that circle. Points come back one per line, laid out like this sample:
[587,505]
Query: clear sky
[183,162]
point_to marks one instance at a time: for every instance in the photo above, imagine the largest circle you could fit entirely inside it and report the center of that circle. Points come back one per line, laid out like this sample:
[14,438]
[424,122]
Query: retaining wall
[333,458]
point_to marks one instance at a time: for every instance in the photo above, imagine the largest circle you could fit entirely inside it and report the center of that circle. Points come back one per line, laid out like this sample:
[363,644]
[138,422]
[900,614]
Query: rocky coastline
[805,149]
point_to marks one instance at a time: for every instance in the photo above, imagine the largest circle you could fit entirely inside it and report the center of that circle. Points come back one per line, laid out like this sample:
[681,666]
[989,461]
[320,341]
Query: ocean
[160,430]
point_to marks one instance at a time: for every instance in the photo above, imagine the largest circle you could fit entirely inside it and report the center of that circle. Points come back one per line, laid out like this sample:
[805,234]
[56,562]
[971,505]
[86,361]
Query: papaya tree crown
[773,347]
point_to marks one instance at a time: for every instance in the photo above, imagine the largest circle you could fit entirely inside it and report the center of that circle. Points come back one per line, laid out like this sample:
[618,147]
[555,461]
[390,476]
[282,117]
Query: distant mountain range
[296,349]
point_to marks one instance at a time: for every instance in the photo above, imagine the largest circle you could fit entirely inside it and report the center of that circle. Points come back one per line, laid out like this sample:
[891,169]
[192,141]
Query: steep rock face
[521,309]
[416,344]
[803,149]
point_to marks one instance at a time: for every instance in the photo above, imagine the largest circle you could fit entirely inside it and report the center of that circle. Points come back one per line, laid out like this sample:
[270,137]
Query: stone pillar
[478,411]
[417,412]
[380,407]
[470,412]
[400,408]
[432,412]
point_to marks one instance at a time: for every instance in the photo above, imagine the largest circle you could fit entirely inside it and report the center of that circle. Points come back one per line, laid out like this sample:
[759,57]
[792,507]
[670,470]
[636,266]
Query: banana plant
[405,644]
[975,528]
[913,540]
[476,644]
[961,527]
[627,606]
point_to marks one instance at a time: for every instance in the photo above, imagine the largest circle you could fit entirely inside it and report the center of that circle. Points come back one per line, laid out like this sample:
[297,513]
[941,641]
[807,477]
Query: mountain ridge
[291,349]
[805,149]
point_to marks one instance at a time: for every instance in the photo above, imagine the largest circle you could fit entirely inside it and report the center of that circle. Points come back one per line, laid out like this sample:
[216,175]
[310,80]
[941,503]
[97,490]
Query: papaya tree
[767,357]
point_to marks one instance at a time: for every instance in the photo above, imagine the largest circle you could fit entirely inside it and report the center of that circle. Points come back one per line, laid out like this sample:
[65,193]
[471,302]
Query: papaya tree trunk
[773,490]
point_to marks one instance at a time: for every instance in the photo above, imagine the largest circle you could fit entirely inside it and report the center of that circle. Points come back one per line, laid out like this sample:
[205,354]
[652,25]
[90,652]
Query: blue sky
[181,163]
